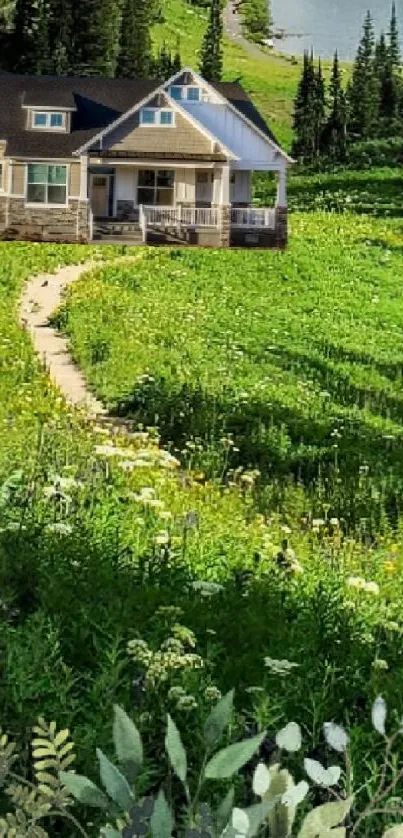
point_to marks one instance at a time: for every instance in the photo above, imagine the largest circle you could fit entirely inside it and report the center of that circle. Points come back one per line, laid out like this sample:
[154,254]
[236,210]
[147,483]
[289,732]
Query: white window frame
[46,205]
[185,92]
[157,123]
[48,117]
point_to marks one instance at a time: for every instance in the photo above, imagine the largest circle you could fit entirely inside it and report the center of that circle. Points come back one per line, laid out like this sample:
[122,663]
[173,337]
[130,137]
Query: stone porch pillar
[281,209]
[225,207]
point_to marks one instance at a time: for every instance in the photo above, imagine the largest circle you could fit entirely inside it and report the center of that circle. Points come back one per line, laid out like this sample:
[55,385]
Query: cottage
[85,159]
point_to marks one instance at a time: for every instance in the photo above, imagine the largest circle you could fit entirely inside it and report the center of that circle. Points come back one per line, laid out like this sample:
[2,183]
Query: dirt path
[41,297]
[233,30]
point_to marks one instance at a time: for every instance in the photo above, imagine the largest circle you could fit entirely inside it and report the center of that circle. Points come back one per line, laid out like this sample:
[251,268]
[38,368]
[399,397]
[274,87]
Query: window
[156,187]
[1,178]
[176,91]
[49,120]
[157,116]
[147,116]
[46,184]
[193,94]
[185,91]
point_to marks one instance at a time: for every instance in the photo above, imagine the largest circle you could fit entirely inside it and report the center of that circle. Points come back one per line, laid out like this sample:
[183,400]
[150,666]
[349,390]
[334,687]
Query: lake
[327,25]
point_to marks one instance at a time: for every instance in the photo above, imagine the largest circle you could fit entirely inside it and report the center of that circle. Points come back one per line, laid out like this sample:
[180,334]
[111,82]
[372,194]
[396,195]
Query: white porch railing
[184,216]
[253,217]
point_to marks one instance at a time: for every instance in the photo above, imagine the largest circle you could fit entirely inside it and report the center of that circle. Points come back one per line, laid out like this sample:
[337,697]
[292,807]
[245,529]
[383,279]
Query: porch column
[84,177]
[225,208]
[281,212]
[282,188]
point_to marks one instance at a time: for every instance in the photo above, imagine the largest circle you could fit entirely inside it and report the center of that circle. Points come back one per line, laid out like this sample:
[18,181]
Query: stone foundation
[64,224]
[281,227]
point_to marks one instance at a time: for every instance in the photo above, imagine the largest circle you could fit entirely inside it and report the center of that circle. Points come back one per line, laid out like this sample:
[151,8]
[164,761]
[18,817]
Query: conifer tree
[389,84]
[334,136]
[177,61]
[394,46]
[319,105]
[30,46]
[60,37]
[304,113]
[96,27]
[363,90]
[135,49]
[211,59]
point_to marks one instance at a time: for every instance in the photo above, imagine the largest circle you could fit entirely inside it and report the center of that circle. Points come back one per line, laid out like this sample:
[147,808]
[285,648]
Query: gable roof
[97,103]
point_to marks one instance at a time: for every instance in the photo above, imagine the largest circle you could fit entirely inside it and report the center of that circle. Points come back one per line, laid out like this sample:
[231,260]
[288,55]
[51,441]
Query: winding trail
[233,30]
[41,297]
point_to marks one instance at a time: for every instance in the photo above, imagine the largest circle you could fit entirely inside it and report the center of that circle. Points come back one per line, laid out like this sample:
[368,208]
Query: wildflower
[187,702]
[280,667]
[356,582]
[334,522]
[287,530]
[60,527]
[389,566]
[162,538]
[372,588]
[139,650]
[380,665]
[212,694]
[317,523]
[175,693]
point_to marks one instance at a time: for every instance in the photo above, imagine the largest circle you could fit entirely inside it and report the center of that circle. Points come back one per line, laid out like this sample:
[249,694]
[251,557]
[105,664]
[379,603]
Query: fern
[52,752]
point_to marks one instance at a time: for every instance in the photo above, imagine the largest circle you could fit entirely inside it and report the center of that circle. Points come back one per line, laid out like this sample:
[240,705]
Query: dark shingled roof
[98,102]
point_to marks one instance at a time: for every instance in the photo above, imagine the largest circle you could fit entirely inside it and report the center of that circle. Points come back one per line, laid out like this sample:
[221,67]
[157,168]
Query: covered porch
[200,202]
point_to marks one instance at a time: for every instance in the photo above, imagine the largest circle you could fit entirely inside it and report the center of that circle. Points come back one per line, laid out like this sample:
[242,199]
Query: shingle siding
[182,137]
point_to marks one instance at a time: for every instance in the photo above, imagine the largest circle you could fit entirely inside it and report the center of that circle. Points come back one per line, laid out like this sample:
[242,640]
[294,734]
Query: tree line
[329,117]
[105,38]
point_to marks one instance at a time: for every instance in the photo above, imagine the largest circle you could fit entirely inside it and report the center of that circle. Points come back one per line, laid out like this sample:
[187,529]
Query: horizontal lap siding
[17,178]
[75,177]
[184,137]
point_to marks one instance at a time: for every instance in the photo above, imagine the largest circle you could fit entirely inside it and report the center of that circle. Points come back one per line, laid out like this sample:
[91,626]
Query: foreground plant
[277,794]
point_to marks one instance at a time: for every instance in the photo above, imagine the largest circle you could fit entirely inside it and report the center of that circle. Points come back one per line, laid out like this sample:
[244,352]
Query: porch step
[118,230]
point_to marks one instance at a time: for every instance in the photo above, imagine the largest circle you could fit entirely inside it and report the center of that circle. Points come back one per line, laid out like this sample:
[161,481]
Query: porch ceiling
[216,157]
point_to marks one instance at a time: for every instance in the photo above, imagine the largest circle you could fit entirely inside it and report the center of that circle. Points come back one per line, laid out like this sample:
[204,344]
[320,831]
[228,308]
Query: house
[85,159]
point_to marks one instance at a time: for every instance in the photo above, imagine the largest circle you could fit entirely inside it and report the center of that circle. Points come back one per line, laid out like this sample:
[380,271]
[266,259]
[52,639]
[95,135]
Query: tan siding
[185,186]
[2,148]
[184,137]
[17,178]
[4,181]
[75,177]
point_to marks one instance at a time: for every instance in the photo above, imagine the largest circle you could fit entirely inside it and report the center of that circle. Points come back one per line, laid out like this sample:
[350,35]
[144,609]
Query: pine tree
[389,84]
[177,61]
[211,59]
[363,90]
[305,113]
[30,48]
[394,46]
[60,25]
[95,37]
[334,136]
[135,51]
[319,106]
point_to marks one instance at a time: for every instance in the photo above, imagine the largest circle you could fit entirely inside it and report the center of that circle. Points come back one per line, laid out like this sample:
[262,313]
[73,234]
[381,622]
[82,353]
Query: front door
[204,188]
[100,195]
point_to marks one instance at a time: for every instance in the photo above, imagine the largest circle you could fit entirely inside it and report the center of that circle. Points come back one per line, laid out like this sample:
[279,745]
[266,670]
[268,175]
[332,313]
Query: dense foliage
[122,570]
[371,106]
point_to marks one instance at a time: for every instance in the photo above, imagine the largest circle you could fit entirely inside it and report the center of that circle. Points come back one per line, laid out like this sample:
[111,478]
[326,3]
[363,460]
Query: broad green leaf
[336,737]
[320,775]
[295,795]
[84,790]
[218,719]
[261,780]
[394,831]
[378,715]
[161,820]
[289,738]
[322,820]
[110,832]
[61,737]
[240,821]
[228,761]
[257,815]
[282,817]
[114,783]
[224,810]
[175,750]
[128,745]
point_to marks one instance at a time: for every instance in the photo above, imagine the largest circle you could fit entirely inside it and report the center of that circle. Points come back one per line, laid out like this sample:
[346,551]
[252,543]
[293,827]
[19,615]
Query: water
[327,25]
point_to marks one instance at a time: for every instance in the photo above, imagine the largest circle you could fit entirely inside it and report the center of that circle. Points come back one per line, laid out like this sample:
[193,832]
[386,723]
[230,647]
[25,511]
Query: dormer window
[157,117]
[48,120]
[185,91]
